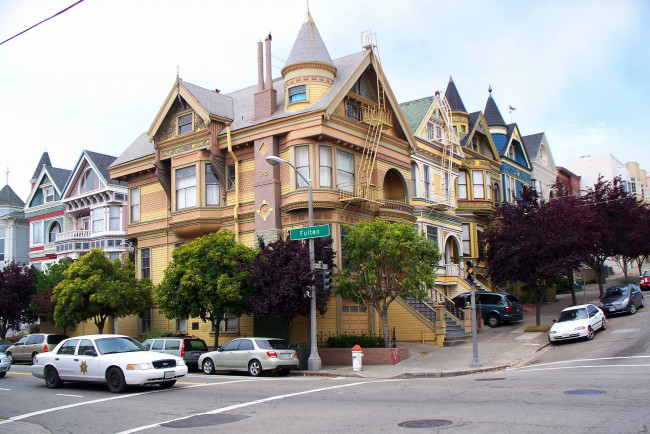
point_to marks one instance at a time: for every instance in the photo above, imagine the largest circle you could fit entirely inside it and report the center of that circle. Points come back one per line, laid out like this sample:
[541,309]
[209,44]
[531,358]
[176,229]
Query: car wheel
[603,325]
[590,333]
[255,368]
[632,309]
[52,379]
[2,374]
[11,359]
[34,354]
[115,380]
[167,384]
[208,366]
[493,320]
[642,302]
[283,372]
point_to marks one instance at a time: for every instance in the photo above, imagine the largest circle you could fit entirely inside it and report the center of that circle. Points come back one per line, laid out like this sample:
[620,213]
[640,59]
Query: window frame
[53,225]
[478,184]
[145,263]
[321,166]
[345,173]
[114,222]
[462,186]
[209,185]
[188,124]
[97,222]
[294,92]
[134,205]
[232,177]
[302,168]
[187,192]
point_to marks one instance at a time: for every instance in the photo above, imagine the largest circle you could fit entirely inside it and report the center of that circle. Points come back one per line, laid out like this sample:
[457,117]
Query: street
[597,386]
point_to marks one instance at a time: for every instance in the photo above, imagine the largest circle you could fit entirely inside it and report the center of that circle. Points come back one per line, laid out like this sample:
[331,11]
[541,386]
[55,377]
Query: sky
[95,76]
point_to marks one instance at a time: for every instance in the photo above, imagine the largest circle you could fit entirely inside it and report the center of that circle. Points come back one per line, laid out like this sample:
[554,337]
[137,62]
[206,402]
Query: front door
[243,354]
[86,365]
[65,359]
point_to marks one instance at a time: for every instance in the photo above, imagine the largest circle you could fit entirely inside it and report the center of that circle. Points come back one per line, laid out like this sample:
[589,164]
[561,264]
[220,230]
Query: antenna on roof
[7,183]
[510,110]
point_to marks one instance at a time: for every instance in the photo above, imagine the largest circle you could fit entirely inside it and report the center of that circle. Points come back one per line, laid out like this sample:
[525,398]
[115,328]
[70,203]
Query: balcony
[441,200]
[73,235]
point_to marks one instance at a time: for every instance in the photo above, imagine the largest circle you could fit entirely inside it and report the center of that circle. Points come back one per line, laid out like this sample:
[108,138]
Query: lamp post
[314,363]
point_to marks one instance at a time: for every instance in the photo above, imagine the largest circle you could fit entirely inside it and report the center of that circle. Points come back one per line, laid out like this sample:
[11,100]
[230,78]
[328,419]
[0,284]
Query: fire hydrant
[357,356]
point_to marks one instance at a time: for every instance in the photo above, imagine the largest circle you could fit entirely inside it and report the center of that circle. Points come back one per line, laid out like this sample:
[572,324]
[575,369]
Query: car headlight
[579,328]
[137,366]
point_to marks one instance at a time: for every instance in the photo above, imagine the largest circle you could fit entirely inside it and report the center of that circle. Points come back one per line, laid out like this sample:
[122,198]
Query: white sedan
[118,361]
[577,322]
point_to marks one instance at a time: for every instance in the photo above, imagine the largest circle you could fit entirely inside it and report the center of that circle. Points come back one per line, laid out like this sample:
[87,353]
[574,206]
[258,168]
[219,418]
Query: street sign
[310,232]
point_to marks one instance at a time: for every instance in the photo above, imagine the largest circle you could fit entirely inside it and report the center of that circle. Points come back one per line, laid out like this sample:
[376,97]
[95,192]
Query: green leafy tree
[206,279]
[97,288]
[384,261]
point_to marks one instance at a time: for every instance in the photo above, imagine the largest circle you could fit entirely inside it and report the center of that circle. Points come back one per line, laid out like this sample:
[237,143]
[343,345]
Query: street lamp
[314,363]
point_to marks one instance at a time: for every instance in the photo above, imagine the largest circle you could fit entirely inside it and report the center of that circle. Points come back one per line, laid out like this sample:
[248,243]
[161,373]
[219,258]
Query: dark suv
[189,348]
[496,307]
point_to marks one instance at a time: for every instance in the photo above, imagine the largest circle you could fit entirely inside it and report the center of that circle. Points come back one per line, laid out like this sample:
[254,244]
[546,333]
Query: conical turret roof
[452,95]
[492,114]
[309,47]
[9,198]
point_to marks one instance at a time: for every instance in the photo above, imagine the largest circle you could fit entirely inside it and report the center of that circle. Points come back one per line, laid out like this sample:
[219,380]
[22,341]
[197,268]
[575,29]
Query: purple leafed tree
[16,289]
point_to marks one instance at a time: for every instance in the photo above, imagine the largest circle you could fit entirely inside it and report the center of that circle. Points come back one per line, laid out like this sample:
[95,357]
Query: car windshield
[572,315]
[118,344]
[616,291]
[646,273]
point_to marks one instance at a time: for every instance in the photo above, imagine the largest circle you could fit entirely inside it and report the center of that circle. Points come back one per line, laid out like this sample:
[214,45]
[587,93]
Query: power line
[46,19]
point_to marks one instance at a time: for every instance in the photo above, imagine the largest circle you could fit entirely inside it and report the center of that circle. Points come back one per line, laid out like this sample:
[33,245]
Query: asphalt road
[597,386]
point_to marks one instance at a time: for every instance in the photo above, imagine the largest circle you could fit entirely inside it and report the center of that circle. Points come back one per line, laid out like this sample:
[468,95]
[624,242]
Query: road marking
[191,383]
[541,366]
[65,394]
[626,331]
[4,389]
[20,373]
[258,401]
[529,335]
[95,401]
[576,367]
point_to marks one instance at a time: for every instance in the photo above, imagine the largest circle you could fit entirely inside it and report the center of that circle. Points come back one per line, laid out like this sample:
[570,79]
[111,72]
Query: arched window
[55,228]
[89,181]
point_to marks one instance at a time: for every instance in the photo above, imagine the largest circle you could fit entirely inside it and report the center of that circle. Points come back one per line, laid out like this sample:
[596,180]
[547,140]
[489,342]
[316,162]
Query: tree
[641,237]
[206,279]
[42,304]
[97,288]
[535,242]
[281,277]
[16,288]
[385,261]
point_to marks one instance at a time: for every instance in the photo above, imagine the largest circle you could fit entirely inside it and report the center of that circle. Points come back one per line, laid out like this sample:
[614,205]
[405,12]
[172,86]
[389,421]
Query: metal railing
[450,307]
[72,235]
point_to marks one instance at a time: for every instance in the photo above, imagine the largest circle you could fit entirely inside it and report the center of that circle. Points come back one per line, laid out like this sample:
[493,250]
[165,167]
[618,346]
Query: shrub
[349,341]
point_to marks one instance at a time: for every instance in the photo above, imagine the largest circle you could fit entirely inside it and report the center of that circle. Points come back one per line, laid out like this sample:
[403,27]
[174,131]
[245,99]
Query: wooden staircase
[455,333]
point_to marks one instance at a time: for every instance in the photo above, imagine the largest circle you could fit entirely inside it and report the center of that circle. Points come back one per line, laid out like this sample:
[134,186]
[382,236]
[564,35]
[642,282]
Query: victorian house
[14,229]
[201,166]
[45,212]
[544,170]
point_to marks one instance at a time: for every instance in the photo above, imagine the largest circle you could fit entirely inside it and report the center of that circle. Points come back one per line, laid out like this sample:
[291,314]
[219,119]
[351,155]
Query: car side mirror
[91,353]
[220,349]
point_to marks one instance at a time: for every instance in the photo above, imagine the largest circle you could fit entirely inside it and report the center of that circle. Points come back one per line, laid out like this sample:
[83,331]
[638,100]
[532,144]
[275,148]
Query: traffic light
[327,281]
[470,271]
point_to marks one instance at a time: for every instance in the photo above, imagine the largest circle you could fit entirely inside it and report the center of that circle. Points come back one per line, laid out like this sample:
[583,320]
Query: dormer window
[89,181]
[511,152]
[298,93]
[353,111]
[48,192]
[185,124]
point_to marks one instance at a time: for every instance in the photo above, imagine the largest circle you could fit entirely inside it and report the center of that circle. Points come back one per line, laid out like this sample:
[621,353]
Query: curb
[403,376]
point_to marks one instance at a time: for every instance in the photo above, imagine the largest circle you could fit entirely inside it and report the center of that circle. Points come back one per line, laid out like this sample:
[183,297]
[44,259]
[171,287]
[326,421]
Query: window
[463,129]
[231,176]
[98,220]
[477,181]
[298,93]
[227,324]
[114,218]
[185,124]
[462,185]
[134,194]
[85,345]
[465,239]
[475,143]
[432,234]
[510,190]
[120,196]
[325,166]
[186,187]
[68,347]
[181,325]
[2,250]
[49,194]
[431,131]
[511,152]
[145,323]
[145,263]
[114,255]
[427,182]
[344,233]
[89,181]
[353,111]
[37,232]
[211,187]
[488,182]
[302,165]
[415,178]
[55,228]
[345,170]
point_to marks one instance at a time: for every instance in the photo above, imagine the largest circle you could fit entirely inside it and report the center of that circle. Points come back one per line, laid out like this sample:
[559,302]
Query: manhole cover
[490,379]
[585,392]
[204,420]
[425,423]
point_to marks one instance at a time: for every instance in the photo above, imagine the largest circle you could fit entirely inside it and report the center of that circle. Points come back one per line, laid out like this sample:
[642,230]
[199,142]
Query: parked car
[189,348]
[496,307]
[4,344]
[118,361]
[577,322]
[5,364]
[645,281]
[621,299]
[27,347]
[254,355]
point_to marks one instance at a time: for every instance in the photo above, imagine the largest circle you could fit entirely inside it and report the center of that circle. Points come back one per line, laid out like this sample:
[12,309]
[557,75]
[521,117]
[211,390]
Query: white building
[590,168]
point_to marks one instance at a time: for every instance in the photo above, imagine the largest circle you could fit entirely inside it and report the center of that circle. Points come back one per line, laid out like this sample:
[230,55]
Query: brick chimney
[266,96]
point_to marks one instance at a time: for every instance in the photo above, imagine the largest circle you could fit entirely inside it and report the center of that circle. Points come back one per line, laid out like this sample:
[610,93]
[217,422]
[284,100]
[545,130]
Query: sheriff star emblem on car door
[83,367]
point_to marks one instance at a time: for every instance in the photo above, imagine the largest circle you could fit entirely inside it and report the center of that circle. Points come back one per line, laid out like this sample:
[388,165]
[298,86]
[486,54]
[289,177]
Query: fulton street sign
[310,232]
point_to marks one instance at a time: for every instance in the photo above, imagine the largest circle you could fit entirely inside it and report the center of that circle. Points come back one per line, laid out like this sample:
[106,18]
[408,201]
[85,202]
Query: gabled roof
[99,163]
[532,144]
[475,125]
[309,46]
[44,161]
[58,177]
[415,111]
[9,198]
[509,137]
[215,103]
[452,95]
[492,114]
[141,147]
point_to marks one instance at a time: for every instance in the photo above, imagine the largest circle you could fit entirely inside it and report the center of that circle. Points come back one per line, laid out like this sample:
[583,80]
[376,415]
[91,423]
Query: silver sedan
[5,364]
[252,355]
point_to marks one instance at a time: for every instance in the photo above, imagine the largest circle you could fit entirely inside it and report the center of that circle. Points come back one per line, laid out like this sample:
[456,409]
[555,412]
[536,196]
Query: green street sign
[310,232]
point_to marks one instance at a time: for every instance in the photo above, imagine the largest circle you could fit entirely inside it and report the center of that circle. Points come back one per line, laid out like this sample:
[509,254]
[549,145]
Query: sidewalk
[498,348]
